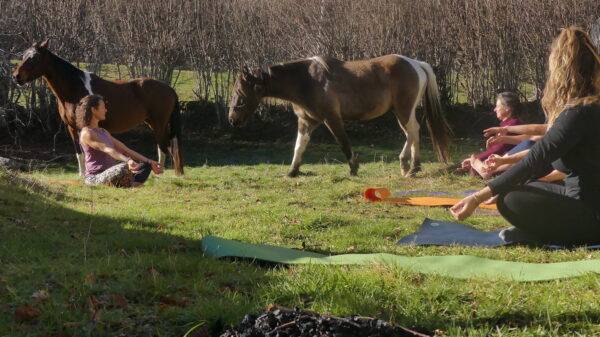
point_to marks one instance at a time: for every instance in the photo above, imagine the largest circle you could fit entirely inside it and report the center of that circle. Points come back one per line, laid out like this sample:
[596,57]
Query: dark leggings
[548,216]
[142,175]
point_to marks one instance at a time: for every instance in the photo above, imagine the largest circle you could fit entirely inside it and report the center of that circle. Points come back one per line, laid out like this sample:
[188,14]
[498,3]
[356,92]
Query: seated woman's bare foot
[479,169]
[464,166]
[461,170]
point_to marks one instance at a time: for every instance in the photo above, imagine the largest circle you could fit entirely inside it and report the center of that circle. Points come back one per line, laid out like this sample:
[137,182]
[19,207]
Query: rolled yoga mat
[384,195]
[456,266]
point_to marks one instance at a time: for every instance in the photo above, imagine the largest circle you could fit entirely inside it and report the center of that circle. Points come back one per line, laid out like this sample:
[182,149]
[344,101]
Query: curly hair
[574,73]
[83,112]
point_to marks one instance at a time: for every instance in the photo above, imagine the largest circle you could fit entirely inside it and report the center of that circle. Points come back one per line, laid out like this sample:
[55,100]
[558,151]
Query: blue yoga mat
[445,233]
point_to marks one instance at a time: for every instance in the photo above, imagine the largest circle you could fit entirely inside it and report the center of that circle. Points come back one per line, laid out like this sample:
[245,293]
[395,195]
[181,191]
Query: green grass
[95,249]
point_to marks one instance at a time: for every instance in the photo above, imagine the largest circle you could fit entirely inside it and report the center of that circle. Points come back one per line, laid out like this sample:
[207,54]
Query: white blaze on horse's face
[26,70]
[29,53]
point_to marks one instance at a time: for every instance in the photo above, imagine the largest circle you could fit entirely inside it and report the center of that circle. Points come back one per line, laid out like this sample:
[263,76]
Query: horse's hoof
[293,173]
[404,167]
[412,172]
[405,171]
[354,169]
[354,165]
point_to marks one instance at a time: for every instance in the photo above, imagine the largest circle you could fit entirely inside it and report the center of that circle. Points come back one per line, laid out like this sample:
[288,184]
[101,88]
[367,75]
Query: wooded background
[477,47]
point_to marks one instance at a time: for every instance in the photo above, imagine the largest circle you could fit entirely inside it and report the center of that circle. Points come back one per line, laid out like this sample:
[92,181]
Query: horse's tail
[175,135]
[436,123]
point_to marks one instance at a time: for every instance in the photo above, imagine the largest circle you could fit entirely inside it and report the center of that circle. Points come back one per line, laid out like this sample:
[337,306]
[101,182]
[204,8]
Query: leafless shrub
[595,33]
[476,47]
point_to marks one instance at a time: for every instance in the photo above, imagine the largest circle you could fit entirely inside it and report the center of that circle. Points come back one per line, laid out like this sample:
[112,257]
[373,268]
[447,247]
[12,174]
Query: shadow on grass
[200,150]
[221,152]
[84,261]
[224,153]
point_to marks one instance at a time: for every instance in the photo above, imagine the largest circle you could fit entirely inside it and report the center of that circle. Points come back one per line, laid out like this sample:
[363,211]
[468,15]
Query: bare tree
[476,47]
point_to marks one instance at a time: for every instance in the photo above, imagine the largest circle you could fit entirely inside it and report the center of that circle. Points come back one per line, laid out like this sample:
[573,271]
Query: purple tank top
[97,161]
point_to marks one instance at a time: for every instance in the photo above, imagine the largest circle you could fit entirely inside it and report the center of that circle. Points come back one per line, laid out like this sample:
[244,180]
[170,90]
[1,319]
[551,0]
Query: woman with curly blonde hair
[103,152]
[544,212]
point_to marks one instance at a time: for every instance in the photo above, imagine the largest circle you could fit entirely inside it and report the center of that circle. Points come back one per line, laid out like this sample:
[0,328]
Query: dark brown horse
[129,102]
[327,90]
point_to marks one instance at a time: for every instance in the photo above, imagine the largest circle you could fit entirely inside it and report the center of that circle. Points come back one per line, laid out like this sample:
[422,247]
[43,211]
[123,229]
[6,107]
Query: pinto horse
[129,102]
[330,91]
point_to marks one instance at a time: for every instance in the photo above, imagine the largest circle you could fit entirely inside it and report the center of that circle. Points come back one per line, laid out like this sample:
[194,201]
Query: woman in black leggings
[544,212]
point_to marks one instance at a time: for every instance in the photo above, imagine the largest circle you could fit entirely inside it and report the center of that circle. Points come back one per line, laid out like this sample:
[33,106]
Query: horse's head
[248,91]
[33,64]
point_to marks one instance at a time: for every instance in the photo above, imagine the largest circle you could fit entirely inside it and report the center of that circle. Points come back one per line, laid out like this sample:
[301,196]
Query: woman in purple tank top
[107,160]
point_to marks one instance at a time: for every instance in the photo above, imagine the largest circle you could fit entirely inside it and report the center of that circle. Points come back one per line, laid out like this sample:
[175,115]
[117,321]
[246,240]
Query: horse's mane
[66,67]
[320,60]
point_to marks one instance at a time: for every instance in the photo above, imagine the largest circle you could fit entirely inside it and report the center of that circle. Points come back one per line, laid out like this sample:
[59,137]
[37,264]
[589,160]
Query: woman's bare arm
[528,129]
[513,158]
[513,140]
[494,162]
[91,139]
[555,175]
[129,152]
[156,167]
[525,129]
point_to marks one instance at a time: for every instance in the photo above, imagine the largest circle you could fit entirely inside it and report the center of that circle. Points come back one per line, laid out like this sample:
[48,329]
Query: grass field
[110,262]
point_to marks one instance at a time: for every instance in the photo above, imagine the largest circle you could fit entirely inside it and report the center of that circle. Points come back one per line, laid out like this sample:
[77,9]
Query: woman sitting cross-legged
[102,151]
[549,213]
[508,109]
[497,164]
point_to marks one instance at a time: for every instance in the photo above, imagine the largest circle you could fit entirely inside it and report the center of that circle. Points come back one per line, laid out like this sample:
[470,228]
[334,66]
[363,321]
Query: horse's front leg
[305,128]
[336,126]
[78,153]
[405,156]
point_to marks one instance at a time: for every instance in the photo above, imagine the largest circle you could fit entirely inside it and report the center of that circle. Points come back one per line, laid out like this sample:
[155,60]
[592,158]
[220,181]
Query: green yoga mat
[458,266]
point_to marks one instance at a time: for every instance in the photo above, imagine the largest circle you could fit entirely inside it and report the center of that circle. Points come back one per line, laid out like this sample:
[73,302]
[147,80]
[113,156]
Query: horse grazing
[327,90]
[129,102]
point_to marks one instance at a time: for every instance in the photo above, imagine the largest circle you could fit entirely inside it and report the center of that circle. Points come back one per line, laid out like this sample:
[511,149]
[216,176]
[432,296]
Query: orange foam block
[384,195]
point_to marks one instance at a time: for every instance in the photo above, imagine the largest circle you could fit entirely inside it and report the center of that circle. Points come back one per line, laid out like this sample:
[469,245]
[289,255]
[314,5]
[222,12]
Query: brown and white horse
[327,90]
[129,102]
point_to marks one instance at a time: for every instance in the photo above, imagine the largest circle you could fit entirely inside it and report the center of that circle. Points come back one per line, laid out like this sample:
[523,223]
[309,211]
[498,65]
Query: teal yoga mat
[457,266]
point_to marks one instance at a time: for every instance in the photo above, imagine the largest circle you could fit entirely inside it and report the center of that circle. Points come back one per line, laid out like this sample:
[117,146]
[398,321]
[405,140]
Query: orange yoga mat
[384,195]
